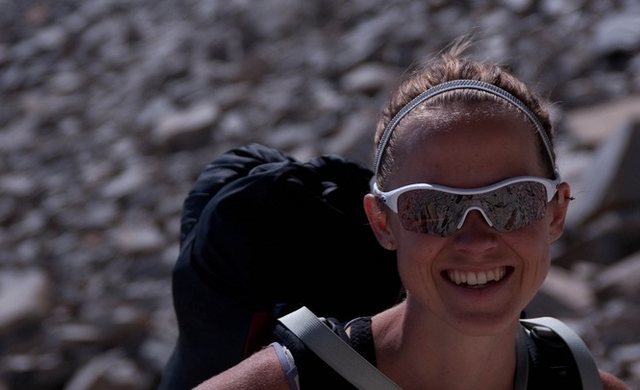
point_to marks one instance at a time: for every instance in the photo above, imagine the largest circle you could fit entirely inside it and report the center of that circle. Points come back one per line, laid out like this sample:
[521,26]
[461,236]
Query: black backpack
[255,225]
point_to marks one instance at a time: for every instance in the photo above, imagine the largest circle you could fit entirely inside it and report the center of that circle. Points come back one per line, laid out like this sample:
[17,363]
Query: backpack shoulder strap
[322,341]
[588,371]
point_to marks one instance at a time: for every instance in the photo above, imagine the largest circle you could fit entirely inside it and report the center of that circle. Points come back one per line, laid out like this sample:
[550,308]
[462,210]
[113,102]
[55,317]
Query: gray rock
[621,280]
[368,79]
[611,181]
[111,370]
[187,128]
[127,182]
[25,298]
[563,294]
[617,32]
[138,238]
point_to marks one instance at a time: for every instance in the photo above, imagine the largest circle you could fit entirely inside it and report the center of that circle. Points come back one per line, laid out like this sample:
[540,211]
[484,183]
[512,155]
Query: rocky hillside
[111,108]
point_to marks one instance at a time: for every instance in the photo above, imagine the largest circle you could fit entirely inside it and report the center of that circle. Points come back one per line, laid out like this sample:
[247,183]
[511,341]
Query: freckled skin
[471,153]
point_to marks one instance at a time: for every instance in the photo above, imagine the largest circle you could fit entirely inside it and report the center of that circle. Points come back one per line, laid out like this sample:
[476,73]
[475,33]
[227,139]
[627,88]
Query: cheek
[416,255]
[532,245]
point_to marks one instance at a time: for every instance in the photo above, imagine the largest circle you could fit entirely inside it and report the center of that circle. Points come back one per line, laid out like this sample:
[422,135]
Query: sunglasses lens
[429,211]
[515,206]
[436,212]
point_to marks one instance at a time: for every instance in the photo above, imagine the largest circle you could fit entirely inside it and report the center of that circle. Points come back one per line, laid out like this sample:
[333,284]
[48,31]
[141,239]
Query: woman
[467,192]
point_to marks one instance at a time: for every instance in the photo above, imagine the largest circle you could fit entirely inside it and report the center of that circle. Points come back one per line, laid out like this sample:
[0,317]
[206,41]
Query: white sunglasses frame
[390,198]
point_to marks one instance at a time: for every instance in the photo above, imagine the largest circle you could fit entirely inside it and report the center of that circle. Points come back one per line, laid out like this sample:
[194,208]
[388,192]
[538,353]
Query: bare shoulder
[610,382]
[260,371]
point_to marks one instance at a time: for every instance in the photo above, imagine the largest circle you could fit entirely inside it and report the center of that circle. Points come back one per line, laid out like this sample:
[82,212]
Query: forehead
[466,147]
[435,116]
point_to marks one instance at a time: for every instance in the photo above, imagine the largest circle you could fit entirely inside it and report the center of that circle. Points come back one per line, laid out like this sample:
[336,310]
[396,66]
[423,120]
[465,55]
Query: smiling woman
[465,243]
[466,191]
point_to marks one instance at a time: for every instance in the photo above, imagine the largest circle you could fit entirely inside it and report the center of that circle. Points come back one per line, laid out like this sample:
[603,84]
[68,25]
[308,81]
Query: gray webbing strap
[589,375]
[321,340]
[358,371]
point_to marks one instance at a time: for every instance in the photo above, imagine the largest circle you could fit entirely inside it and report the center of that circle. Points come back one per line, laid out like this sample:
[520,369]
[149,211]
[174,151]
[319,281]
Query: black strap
[361,338]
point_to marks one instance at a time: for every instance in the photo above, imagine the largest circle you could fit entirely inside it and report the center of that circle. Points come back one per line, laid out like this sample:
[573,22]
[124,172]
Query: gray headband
[462,84]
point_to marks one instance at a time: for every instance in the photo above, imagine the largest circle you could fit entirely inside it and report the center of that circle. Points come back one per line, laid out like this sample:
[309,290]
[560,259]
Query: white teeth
[476,278]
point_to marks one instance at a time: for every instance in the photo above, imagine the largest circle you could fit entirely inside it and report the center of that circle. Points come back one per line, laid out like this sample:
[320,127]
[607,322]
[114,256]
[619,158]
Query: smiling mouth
[477,279]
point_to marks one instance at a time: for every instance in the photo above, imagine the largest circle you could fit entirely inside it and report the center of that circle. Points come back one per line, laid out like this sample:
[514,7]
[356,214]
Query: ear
[558,209]
[378,220]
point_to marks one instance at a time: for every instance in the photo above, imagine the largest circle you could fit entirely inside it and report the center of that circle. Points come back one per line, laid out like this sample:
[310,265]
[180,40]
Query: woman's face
[470,153]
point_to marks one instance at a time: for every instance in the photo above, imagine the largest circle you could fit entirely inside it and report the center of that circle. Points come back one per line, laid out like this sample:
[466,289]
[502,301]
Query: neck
[428,353]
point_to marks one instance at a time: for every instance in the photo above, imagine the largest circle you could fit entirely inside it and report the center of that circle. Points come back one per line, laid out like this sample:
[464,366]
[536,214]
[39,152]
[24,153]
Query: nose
[475,233]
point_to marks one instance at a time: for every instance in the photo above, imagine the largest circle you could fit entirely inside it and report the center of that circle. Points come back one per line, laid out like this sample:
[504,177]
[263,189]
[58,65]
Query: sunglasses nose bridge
[471,208]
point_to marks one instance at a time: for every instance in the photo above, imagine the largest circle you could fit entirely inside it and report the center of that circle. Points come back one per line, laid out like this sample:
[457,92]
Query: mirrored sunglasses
[440,210]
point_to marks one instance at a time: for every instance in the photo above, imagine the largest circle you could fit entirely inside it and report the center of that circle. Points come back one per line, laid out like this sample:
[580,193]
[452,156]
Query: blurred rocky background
[109,109]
